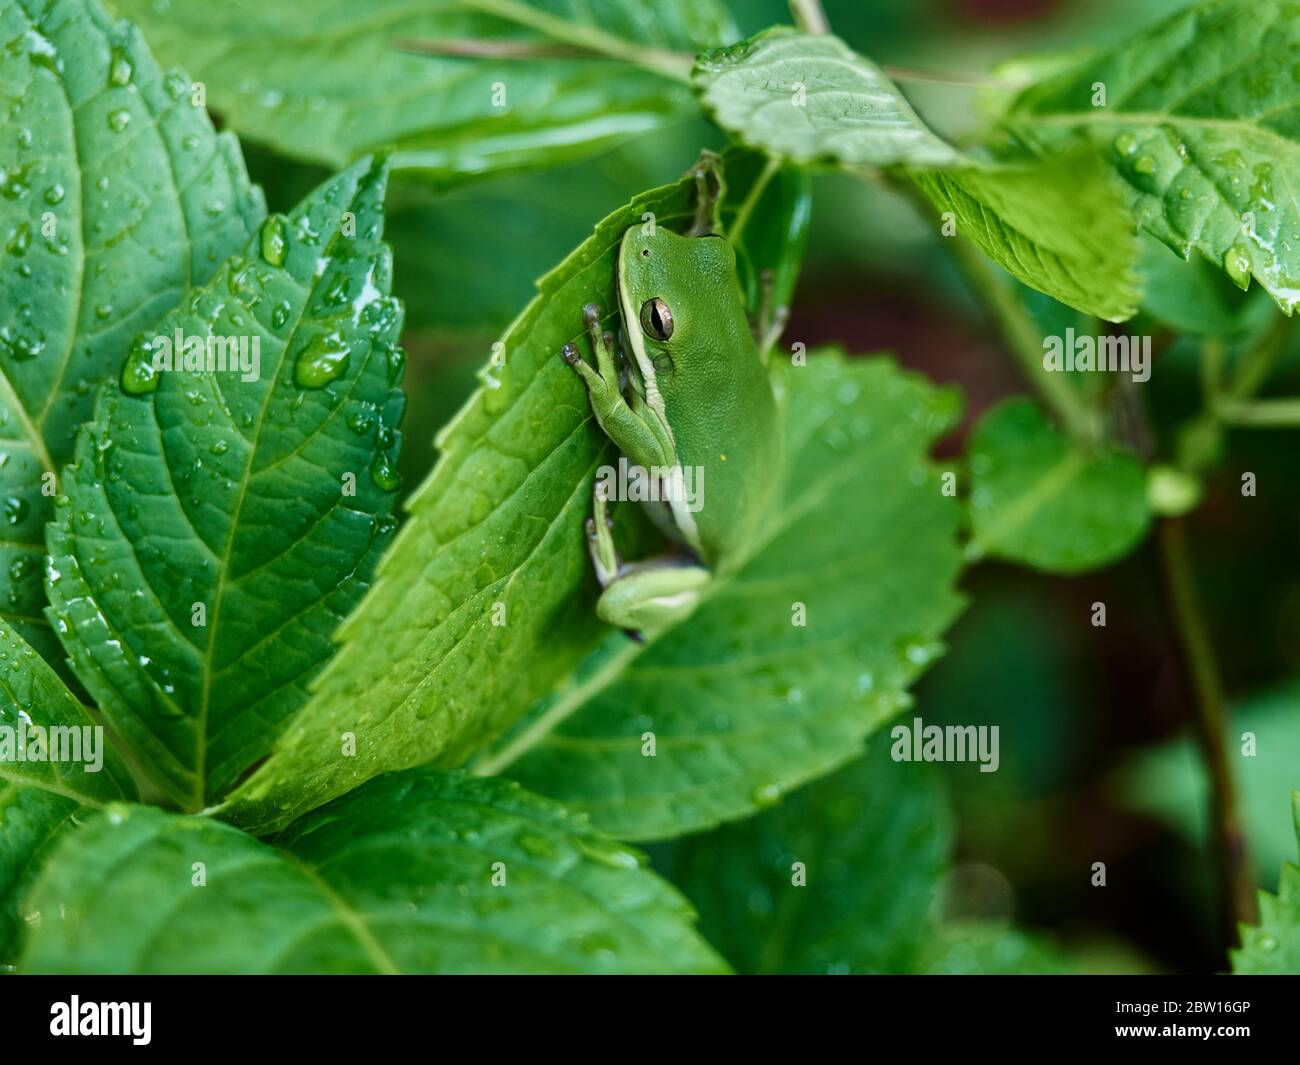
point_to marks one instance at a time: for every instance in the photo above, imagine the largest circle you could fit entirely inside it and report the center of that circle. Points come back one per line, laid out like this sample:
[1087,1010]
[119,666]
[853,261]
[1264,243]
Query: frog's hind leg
[600,540]
[642,597]
[771,319]
[710,190]
[652,595]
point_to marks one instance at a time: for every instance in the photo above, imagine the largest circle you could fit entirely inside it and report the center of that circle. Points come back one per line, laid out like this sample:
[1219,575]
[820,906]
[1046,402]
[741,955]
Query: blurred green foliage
[1092,719]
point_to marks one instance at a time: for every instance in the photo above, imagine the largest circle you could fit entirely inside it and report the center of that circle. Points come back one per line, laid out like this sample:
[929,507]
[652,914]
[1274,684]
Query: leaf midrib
[351,918]
[223,570]
[1052,482]
[54,789]
[577,696]
[35,441]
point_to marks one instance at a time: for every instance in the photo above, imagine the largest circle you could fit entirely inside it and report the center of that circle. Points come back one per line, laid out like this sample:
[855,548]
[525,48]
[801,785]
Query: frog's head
[671,290]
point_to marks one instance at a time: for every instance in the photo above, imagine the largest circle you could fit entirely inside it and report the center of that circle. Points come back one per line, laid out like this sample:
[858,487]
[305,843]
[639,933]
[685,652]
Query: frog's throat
[682,517]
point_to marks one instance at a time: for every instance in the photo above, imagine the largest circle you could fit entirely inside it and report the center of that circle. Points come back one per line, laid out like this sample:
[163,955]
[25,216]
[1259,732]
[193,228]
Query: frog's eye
[656,319]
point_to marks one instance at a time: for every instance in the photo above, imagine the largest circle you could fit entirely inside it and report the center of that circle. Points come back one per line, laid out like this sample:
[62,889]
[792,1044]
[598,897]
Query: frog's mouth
[635,338]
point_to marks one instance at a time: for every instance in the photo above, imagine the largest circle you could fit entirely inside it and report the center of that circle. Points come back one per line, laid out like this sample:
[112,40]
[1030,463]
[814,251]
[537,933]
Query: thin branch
[1231,402]
[1023,338]
[809,16]
[482,48]
[1232,869]
[1026,343]
[1213,352]
[938,77]
[478,48]
[1256,364]
[751,199]
[674,65]
[1260,414]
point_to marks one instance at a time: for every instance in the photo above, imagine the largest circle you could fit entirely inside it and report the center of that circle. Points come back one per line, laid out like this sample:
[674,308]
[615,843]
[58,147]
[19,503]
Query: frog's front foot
[602,379]
[640,439]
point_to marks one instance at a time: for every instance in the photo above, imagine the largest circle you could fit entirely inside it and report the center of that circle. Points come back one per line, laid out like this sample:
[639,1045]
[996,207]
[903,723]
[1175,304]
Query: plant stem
[1260,414]
[751,199]
[939,77]
[1231,403]
[674,65]
[1018,329]
[478,48]
[809,16]
[1255,365]
[1026,344]
[1212,355]
[1228,839]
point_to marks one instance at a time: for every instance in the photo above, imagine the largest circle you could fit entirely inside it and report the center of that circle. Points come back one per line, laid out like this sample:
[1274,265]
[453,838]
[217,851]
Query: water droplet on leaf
[385,474]
[119,70]
[275,240]
[324,359]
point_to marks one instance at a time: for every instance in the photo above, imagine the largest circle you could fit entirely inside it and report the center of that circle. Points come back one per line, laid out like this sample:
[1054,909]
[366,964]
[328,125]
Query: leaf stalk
[809,16]
[673,65]
[1236,889]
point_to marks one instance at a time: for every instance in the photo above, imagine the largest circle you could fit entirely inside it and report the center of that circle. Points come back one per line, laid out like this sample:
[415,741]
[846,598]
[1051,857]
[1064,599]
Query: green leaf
[974,948]
[486,600]
[1060,227]
[812,98]
[743,701]
[40,797]
[1273,946]
[338,84]
[871,843]
[1200,123]
[217,528]
[396,877]
[1038,500]
[115,194]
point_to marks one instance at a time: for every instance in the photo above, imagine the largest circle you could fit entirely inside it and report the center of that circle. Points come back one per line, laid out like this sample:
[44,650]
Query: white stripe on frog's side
[682,517]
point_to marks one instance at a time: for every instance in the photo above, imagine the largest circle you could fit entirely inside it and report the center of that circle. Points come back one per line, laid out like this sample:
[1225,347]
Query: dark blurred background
[1095,761]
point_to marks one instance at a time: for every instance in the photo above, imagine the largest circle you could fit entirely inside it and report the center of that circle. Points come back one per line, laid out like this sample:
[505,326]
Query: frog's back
[734,451]
[717,398]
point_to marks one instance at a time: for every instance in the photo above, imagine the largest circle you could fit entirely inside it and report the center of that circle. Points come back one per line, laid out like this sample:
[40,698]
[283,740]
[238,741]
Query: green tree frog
[696,414]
